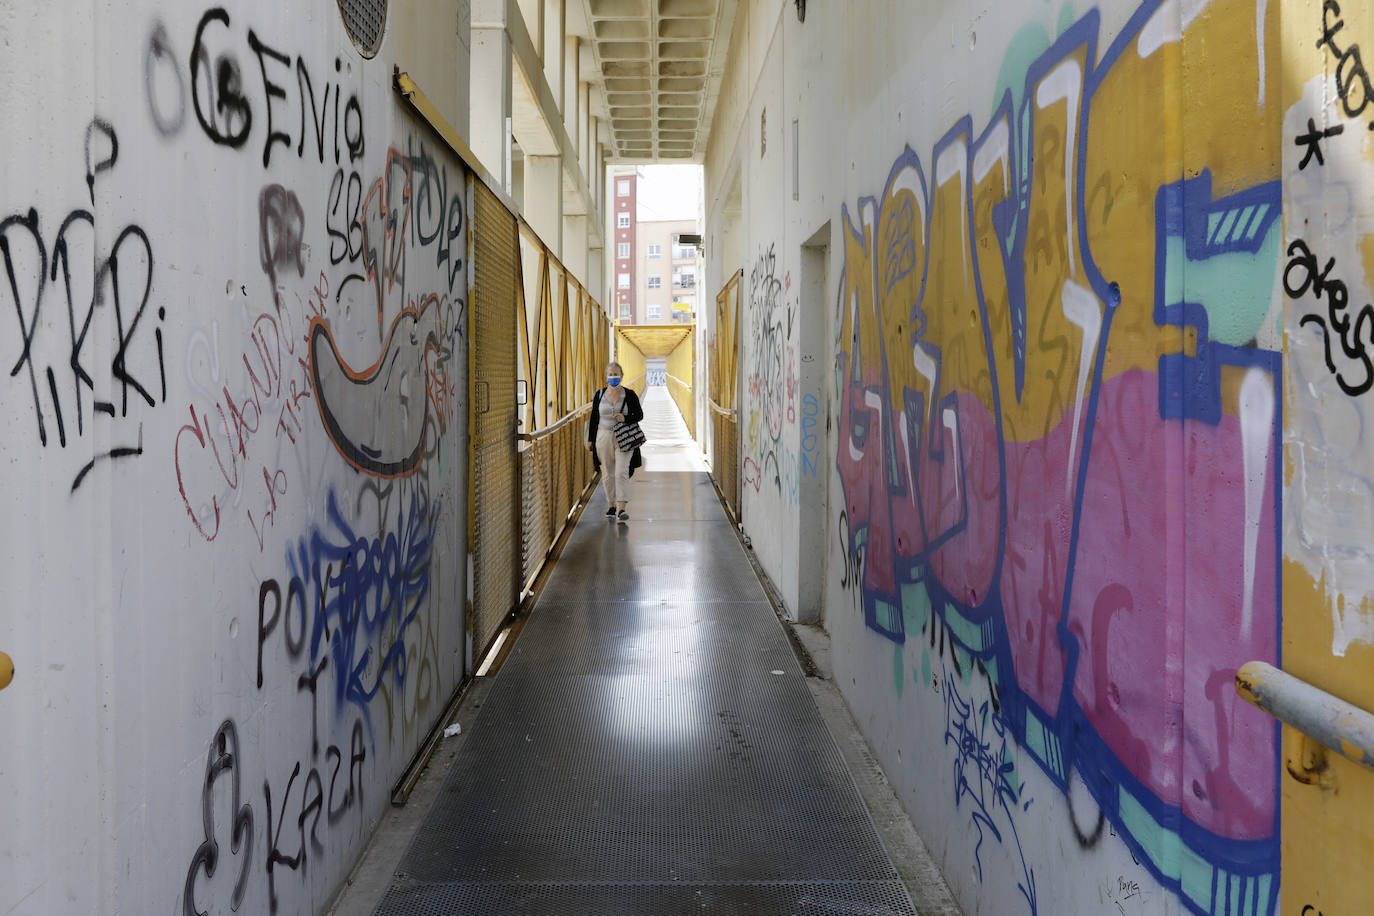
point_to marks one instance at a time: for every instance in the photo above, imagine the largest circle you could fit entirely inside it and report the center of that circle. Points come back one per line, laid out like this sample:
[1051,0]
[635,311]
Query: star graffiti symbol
[1311,142]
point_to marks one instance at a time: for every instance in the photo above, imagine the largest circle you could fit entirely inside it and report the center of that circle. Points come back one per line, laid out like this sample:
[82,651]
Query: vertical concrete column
[599,195]
[544,199]
[516,185]
[601,177]
[596,167]
[584,160]
[575,232]
[555,30]
[490,93]
[572,62]
[596,284]
[593,159]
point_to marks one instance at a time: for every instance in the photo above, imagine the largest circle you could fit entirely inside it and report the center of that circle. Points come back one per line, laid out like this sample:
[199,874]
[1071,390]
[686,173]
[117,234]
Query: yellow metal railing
[493,469]
[681,368]
[725,343]
[556,473]
[724,371]
[564,336]
[725,456]
[564,343]
[681,393]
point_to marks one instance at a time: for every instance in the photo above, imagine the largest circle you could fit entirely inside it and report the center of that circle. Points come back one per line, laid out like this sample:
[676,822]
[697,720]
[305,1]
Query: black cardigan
[633,414]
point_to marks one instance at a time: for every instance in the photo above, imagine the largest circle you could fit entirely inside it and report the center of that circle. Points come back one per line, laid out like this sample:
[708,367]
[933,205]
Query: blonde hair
[619,368]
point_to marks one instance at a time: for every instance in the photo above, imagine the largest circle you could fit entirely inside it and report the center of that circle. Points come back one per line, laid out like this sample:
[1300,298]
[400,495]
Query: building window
[622,188]
[622,281]
[684,253]
[655,251]
[655,281]
[655,310]
[623,221]
[684,277]
[623,250]
[624,311]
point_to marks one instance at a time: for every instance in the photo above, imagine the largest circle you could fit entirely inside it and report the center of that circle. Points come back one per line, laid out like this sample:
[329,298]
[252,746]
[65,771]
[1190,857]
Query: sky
[669,192]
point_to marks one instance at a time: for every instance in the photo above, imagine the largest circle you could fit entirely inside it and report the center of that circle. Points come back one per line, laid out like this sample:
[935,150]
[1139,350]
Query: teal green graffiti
[1066,18]
[1236,287]
[965,663]
[1026,47]
[915,606]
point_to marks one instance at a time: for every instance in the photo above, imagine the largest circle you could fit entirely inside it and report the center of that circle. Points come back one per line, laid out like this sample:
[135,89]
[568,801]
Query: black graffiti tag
[1356,337]
[281,227]
[1311,142]
[103,294]
[223,96]
[160,71]
[1352,78]
[314,801]
[224,109]
[223,758]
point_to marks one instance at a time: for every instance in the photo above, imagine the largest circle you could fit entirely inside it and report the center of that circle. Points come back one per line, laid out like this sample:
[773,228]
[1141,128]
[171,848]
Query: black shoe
[610,513]
[624,516]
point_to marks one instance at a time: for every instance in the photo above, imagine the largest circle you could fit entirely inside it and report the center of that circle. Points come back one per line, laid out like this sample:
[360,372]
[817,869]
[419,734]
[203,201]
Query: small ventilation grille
[365,21]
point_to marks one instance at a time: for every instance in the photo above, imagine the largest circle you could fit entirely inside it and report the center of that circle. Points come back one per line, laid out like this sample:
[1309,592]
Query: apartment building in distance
[666,271]
[654,276]
[623,217]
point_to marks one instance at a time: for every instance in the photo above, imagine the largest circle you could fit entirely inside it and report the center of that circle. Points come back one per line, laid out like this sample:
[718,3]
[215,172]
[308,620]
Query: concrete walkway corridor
[650,744]
[670,446]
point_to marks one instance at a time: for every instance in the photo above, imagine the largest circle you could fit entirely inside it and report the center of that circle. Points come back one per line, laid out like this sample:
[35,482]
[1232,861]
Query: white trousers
[615,467]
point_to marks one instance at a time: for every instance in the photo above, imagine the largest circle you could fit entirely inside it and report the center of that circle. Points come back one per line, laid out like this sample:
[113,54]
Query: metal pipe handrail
[721,410]
[1332,722]
[678,380]
[555,427]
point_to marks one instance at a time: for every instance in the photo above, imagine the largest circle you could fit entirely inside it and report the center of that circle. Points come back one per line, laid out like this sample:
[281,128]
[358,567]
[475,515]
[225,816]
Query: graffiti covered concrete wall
[768,331]
[1057,395]
[234,272]
[1071,404]
[1328,520]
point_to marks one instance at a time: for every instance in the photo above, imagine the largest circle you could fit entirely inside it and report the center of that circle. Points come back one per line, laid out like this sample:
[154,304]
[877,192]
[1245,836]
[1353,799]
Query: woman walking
[612,405]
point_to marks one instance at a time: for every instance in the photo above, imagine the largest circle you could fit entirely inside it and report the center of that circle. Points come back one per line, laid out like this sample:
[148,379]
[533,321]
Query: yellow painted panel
[1328,828]
[1328,601]
[631,359]
[681,366]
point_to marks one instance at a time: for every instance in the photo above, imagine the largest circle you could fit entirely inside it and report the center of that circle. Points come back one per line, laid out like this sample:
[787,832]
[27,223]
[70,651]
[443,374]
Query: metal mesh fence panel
[492,405]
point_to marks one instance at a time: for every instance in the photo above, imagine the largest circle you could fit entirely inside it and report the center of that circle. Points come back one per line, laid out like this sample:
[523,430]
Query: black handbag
[628,435]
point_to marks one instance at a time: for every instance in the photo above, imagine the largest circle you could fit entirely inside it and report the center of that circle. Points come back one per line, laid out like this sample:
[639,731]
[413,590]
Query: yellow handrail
[721,410]
[555,427]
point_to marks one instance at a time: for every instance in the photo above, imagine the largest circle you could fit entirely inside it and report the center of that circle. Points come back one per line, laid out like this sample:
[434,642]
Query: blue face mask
[613,381]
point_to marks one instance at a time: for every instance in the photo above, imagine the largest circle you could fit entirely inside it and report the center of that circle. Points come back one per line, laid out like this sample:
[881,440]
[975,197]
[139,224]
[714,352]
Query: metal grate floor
[637,754]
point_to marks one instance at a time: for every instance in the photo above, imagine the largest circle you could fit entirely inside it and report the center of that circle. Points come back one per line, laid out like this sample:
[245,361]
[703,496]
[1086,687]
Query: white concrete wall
[1034,580]
[235,461]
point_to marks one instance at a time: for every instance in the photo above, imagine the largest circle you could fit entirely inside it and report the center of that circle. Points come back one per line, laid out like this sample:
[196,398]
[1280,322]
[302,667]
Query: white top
[609,409]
